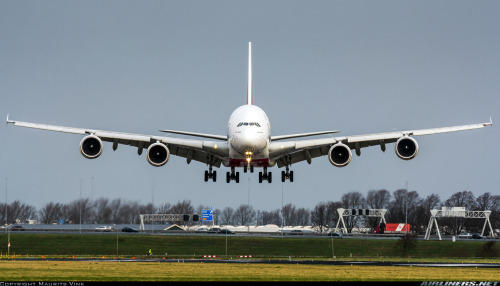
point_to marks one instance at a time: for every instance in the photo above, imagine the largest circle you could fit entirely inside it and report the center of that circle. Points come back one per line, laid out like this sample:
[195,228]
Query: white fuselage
[249,137]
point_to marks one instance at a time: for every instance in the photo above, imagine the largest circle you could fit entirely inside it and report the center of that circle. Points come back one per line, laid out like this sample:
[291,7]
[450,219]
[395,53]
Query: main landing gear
[233,176]
[265,176]
[210,175]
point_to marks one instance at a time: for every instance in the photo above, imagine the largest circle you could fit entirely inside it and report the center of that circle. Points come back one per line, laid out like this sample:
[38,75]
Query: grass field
[230,247]
[147,271]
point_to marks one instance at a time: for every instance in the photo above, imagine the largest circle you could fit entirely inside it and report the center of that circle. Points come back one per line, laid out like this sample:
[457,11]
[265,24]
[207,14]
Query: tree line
[402,205]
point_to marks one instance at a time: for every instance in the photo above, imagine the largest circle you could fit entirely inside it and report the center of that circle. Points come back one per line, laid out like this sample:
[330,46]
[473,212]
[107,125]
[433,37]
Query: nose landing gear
[288,175]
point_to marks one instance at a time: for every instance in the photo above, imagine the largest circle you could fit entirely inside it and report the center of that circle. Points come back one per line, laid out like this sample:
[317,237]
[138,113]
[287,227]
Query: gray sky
[355,66]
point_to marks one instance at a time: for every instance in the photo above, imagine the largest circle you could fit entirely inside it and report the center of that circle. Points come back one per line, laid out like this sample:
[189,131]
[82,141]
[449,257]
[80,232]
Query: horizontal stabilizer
[218,137]
[282,137]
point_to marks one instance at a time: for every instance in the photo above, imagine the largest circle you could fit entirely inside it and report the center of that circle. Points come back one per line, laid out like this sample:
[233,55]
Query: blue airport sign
[207,215]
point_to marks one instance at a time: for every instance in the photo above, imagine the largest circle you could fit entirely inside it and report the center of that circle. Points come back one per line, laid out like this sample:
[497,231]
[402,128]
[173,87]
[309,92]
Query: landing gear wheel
[291,176]
[260,177]
[269,177]
[206,176]
[228,177]
[283,176]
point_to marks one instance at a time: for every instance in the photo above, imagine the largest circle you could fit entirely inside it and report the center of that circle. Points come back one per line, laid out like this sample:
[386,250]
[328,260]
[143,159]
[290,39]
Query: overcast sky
[140,66]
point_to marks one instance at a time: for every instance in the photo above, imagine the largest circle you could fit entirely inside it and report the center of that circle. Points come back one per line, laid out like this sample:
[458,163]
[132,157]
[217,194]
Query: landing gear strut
[230,176]
[245,168]
[212,175]
[265,176]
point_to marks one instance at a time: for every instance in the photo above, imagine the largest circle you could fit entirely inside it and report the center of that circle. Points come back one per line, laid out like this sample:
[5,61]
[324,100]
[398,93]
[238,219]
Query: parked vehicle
[335,234]
[226,231]
[477,236]
[465,235]
[202,229]
[17,228]
[215,230]
[296,232]
[129,229]
[104,228]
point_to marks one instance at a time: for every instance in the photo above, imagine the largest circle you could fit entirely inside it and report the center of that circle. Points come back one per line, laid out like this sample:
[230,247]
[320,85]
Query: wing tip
[7,121]
[489,123]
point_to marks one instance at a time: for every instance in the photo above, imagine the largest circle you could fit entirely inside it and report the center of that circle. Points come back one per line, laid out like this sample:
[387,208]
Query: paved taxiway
[264,261]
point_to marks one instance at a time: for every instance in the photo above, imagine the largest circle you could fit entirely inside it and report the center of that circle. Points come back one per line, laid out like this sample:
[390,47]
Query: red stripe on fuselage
[243,162]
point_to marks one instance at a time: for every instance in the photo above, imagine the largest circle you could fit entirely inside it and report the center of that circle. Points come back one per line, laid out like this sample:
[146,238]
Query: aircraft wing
[290,152]
[199,150]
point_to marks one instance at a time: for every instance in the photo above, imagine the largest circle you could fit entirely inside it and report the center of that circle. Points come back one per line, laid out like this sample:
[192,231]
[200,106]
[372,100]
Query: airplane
[248,143]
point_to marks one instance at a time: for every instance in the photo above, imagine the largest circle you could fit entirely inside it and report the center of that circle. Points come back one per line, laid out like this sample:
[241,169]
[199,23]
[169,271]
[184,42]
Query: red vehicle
[392,228]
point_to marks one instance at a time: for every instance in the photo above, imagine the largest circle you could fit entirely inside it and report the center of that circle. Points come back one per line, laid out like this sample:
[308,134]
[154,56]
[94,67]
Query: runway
[276,261]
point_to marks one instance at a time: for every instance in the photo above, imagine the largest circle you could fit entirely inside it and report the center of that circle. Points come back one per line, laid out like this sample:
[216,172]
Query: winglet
[249,87]
[489,123]
[8,121]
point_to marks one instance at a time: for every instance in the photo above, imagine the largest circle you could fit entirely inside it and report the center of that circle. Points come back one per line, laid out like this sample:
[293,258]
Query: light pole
[80,203]
[406,208]
[282,218]
[6,206]
[248,203]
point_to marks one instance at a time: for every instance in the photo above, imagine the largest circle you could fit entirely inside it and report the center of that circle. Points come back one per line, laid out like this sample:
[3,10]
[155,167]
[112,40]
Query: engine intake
[340,155]
[406,148]
[158,154]
[91,147]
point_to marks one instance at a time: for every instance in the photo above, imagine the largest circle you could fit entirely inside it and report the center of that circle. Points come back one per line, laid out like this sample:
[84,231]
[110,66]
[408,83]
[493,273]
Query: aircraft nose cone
[249,141]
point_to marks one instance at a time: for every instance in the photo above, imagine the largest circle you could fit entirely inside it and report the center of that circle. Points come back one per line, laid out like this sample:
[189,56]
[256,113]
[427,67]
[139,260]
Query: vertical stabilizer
[249,88]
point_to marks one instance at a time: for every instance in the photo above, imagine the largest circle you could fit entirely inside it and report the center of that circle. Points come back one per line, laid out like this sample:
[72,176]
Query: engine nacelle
[158,154]
[91,147]
[406,148]
[340,155]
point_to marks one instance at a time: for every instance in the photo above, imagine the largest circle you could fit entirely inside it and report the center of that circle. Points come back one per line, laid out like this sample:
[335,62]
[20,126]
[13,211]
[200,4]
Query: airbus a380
[248,143]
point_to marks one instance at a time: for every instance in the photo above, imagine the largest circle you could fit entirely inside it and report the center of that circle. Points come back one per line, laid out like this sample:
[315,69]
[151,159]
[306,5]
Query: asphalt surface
[271,261]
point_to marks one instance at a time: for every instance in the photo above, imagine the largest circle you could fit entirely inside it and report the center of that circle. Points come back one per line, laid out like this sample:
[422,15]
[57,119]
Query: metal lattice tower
[457,212]
[357,212]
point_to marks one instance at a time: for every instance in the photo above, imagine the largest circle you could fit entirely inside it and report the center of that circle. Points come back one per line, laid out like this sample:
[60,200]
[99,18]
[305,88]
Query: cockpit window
[248,124]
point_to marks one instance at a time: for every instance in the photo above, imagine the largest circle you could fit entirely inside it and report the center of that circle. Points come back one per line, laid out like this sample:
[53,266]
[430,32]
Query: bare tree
[464,199]
[244,215]
[378,199]
[19,211]
[269,217]
[423,212]
[288,212]
[50,213]
[319,216]
[184,207]
[353,200]
[102,211]
[303,217]
[227,216]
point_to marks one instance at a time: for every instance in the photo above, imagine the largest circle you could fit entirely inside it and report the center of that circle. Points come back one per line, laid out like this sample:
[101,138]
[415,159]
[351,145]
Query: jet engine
[340,155]
[158,154]
[406,148]
[91,147]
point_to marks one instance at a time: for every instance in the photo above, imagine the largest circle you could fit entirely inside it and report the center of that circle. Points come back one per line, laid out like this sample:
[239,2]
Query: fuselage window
[248,124]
